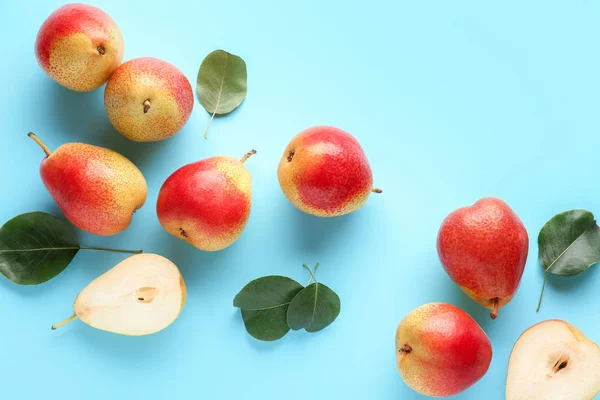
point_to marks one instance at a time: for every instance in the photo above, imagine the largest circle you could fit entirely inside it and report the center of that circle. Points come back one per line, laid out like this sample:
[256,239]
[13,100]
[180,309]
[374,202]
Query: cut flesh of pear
[553,361]
[139,296]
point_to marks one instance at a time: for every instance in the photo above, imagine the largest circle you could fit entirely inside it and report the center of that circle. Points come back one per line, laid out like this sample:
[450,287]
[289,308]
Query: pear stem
[146,106]
[247,155]
[494,313]
[66,321]
[112,250]
[375,190]
[40,143]
[542,294]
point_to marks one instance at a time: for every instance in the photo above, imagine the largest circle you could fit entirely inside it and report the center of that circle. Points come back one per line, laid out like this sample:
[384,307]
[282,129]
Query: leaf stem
[66,321]
[209,124]
[542,294]
[112,250]
[312,273]
[40,143]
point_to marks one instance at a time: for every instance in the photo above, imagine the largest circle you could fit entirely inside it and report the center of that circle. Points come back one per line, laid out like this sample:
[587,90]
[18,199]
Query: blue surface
[451,102]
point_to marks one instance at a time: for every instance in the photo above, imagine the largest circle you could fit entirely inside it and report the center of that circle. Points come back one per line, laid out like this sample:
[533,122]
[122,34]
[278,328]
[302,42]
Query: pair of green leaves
[35,247]
[222,84]
[569,244]
[272,305]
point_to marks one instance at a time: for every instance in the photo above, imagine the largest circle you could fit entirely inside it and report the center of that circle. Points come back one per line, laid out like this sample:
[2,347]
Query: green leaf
[568,244]
[264,303]
[314,308]
[222,83]
[35,247]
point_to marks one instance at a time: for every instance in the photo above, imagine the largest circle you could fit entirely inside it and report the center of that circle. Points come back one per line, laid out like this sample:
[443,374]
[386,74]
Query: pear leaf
[569,244]
[222,83]
[314,308]
[35,247]
[264,303]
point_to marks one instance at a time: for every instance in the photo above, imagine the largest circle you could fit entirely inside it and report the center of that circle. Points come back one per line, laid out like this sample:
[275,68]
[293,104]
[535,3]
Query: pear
[553,360]
[207,203]
[441,351]
[325,172]
[148,99]
[141,295]
[79,46]
[483,248]
[97,189]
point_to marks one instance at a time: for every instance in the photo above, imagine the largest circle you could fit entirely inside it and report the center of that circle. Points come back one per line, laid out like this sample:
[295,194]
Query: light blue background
[452,101]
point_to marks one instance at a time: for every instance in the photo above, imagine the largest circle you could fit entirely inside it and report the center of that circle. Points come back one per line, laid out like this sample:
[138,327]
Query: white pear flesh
[553,360]
[141,295]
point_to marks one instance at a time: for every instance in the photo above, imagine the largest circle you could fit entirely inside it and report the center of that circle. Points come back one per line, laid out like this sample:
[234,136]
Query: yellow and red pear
[207,203]
[96,188]
[441,351]
[148,99]
[325,172]
[79,46]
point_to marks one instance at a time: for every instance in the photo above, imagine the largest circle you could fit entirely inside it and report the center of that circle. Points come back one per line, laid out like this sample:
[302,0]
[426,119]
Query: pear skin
[553,360]
[148,99]
[441,351]
[79,46]
[325,172]
[207,203]
[141,295]
[484,249]
[97,189]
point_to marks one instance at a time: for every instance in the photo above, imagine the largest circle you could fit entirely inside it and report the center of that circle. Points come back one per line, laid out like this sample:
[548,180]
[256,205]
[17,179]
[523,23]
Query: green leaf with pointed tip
[314,308]
[264,303]
[222,83]
[568,244]
[35,247]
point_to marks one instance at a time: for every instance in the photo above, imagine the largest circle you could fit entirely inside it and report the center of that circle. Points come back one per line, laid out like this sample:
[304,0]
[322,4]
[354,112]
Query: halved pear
[553,360]
[141,295]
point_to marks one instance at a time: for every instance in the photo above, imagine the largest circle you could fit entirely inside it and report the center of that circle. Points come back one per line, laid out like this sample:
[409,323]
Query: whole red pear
[325,172]
[484,249]
[207,203]
[440,350]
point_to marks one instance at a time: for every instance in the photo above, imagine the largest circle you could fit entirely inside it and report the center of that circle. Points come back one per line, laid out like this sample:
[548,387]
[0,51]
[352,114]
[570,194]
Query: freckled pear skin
[79,46]
[207,203]
[441,351]
[96,188]
[325,172]
[147,100]
[484,249]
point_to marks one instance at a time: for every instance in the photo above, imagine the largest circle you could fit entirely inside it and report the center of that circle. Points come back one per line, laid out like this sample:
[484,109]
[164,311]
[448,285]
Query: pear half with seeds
[553,360]
[141,295]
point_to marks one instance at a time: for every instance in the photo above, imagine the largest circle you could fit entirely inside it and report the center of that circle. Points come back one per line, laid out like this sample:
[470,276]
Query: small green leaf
[568,244]
[314,308]
[264,303]
[266,325]
[35,247]
[222,83]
